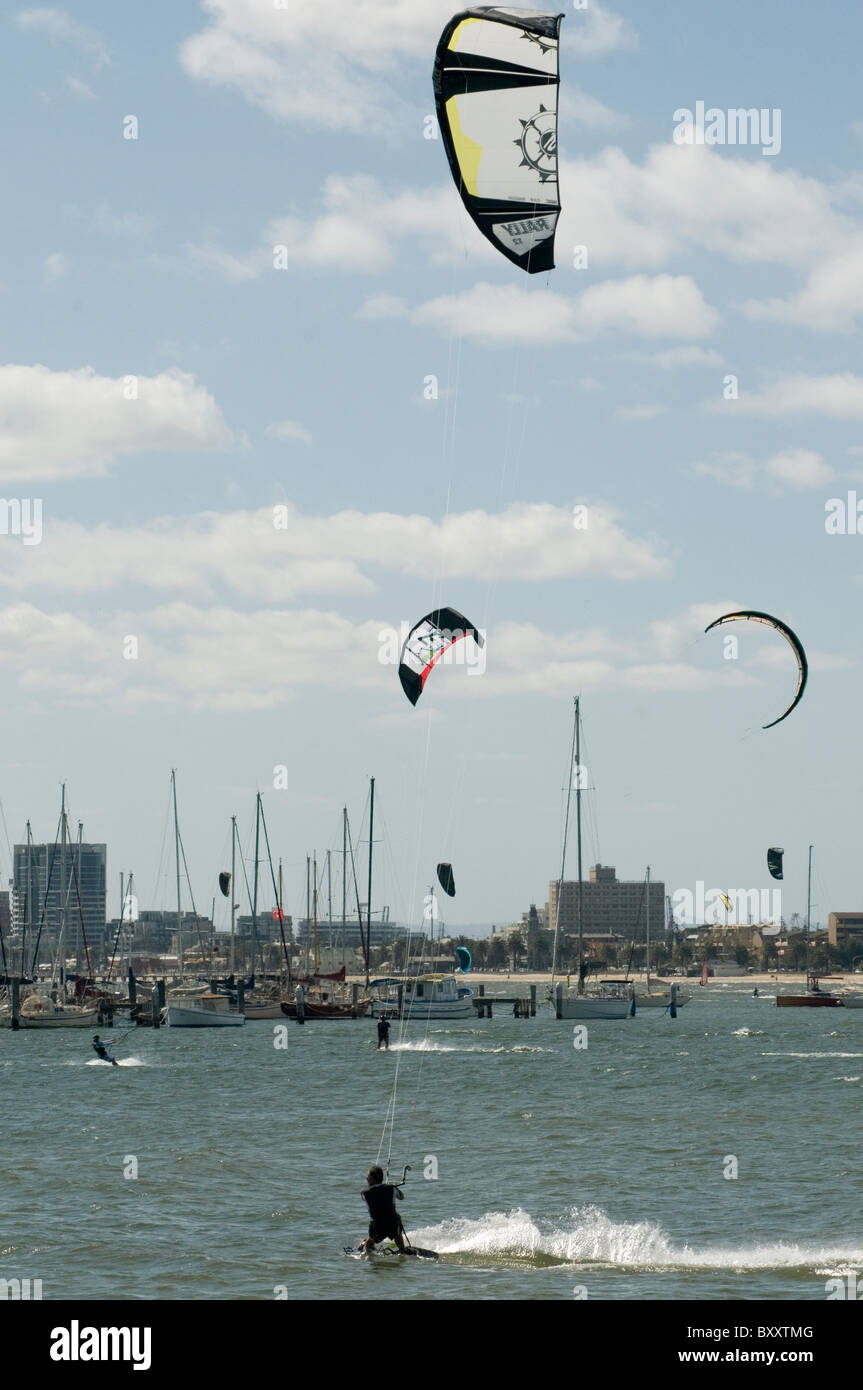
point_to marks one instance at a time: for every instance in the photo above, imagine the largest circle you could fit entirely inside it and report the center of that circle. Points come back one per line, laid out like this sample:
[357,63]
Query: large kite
[791,638]
[496,82]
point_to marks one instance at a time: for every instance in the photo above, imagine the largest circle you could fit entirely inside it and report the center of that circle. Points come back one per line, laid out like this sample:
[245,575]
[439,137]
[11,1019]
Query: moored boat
[203,1011]
[434,997]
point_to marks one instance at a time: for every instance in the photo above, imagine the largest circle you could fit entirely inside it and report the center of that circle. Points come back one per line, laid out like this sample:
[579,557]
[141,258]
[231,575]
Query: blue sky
[304,387]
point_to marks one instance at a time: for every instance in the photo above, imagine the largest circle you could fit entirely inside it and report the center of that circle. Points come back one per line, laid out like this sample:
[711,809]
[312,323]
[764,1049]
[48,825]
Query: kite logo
[538,144]
[544,45]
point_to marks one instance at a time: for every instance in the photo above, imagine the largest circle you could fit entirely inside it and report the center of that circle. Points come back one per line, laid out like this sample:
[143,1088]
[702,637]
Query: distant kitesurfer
[386,1224]
[383,1032]
[100,1049]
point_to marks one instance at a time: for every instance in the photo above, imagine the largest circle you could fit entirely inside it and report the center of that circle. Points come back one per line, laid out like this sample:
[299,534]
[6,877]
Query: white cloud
[640,412]
[693,198]
[793,467]
[288,429]
[244,552]
[80,89]
[578,108]
[383,306]
[799,468]
[598,31]
[60,27]
[650,307]
[54,267]
[838,397]
[330,65]
[831,300]
[236,268]
[77,423]
[732,469]
[674,358]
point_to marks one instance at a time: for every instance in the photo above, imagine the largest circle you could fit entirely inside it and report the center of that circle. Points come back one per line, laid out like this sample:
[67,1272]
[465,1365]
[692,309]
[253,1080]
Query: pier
[523,1006]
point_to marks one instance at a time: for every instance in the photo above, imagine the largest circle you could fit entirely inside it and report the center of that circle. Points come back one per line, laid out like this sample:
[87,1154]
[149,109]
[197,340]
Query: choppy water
[557,1169]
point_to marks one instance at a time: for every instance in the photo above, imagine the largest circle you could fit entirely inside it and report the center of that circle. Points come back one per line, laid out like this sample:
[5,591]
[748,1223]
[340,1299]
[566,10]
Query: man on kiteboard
[386,1224]
[100,1049]
[383,1032]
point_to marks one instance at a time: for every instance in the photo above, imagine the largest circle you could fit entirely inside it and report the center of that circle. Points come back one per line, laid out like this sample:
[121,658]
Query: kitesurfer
[386,1224]
[383,1032]
[100,1049]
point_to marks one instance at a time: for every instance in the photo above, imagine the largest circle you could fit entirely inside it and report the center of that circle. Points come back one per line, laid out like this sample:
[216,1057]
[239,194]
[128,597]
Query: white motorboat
[204,1011]
[613,1000]
[662,998]
[424,997]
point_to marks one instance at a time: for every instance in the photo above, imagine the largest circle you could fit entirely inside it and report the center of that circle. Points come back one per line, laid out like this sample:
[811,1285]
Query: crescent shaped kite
[426,643]
[752,615]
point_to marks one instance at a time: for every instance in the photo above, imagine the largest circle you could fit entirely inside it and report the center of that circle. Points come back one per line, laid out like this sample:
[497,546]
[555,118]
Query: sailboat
[815,997]
[611,999]
[325,996]
[194,1009]
[666,995]
[46,1006]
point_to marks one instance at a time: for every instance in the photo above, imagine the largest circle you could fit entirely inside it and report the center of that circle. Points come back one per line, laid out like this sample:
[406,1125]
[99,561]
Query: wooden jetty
[523,1006]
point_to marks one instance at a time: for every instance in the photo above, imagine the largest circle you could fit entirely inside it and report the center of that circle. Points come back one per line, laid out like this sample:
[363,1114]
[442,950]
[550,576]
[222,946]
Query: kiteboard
[388,1251]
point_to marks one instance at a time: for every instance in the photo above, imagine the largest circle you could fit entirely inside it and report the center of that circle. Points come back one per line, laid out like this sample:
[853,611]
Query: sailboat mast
[578,841]
[315,872]
[344,869]
[29,914]
[177,853]
[809,914]
[255,890]
[308,912]
[330,902]
[281,911]
[648,928]
[563,856]
[61,954]
[233,891]
[369,902]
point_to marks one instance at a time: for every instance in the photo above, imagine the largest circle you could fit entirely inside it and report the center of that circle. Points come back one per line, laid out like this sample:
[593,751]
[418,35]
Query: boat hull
[186,1016]
[333,1012]
[660,1001]
[90,1019]
[584,1007]
[808,1001]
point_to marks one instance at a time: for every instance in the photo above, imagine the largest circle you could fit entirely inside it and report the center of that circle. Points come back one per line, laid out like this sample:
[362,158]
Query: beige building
[610,905]
[845,929]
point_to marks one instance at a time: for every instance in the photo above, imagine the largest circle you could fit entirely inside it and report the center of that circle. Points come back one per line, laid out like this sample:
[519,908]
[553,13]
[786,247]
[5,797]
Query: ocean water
[561,1173]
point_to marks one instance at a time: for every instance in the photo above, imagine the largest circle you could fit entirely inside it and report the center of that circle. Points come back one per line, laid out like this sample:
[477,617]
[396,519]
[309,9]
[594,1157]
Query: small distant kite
[446,880]
[464,959]
[791,638]
[774,862]
[225,884]
[426,643]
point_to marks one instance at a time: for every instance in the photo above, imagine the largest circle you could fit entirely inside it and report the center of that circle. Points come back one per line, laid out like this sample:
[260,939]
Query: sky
[169,380]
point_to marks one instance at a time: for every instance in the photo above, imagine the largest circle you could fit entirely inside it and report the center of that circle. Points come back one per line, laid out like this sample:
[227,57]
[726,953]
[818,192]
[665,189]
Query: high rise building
[608,905]
[39,879]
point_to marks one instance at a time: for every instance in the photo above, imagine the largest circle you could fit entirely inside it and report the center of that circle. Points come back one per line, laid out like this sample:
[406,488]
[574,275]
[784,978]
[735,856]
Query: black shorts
[384,1230]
